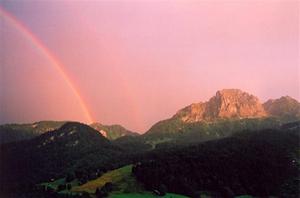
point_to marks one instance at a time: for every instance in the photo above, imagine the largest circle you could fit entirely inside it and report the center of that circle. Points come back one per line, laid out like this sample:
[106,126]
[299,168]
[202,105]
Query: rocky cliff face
[227,103]
[192,113]
[234,103]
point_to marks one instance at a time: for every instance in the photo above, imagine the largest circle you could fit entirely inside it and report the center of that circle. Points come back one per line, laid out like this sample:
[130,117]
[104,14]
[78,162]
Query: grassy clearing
[121,178]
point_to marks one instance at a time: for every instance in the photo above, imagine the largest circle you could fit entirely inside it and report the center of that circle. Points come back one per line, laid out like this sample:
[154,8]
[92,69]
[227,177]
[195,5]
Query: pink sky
[137,62]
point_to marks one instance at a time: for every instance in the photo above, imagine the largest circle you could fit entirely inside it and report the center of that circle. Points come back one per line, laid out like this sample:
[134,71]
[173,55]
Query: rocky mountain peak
[227,103]
[234,103]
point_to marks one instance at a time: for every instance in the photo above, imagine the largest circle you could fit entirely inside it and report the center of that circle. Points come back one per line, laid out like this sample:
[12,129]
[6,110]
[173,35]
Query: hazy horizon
[135,63]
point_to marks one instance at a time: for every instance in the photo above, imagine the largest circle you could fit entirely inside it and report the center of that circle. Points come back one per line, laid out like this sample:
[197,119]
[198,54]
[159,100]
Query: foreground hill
[74,148]
[262,163]
[17,132]
[112,132]
[229,111]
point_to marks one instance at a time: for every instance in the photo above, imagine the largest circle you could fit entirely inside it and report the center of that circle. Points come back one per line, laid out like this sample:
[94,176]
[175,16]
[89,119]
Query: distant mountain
[73,147]
[112,132]
[17,132]
[285,107]
[229,111]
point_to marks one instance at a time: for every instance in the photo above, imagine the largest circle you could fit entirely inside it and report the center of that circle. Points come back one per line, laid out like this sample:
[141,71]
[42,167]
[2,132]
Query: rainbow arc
[46,52]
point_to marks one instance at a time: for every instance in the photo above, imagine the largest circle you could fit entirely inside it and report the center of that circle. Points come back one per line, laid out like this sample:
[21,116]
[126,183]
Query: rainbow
[46,52]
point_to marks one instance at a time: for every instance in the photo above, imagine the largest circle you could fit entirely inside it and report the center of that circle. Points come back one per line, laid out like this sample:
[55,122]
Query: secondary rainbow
[45,51]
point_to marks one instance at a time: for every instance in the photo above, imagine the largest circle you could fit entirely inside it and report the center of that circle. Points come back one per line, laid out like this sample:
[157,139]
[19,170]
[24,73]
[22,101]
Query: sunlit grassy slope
[121,179]
[125,185]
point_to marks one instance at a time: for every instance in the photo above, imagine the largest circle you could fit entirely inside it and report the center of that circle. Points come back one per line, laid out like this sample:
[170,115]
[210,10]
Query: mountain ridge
[17,132]
[112,132]
[235,104]
[226,104]
[229,108]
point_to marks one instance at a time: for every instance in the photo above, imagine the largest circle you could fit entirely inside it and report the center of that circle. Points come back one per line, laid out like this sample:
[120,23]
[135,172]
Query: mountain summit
[285,107]
[226,104]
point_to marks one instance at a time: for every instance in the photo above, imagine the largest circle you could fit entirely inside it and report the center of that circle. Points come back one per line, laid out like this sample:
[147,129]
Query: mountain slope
[112,132]
[17,132]
[175,131]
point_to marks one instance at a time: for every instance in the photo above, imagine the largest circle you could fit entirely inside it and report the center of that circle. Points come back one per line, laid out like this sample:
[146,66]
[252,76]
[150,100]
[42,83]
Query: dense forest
[259,163]
[255,162]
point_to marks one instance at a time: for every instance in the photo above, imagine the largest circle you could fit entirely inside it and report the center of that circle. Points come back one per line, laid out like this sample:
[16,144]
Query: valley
[230,146]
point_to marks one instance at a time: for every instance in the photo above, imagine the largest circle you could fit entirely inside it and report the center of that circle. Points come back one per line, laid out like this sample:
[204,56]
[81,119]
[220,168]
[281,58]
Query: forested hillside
[259,163]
